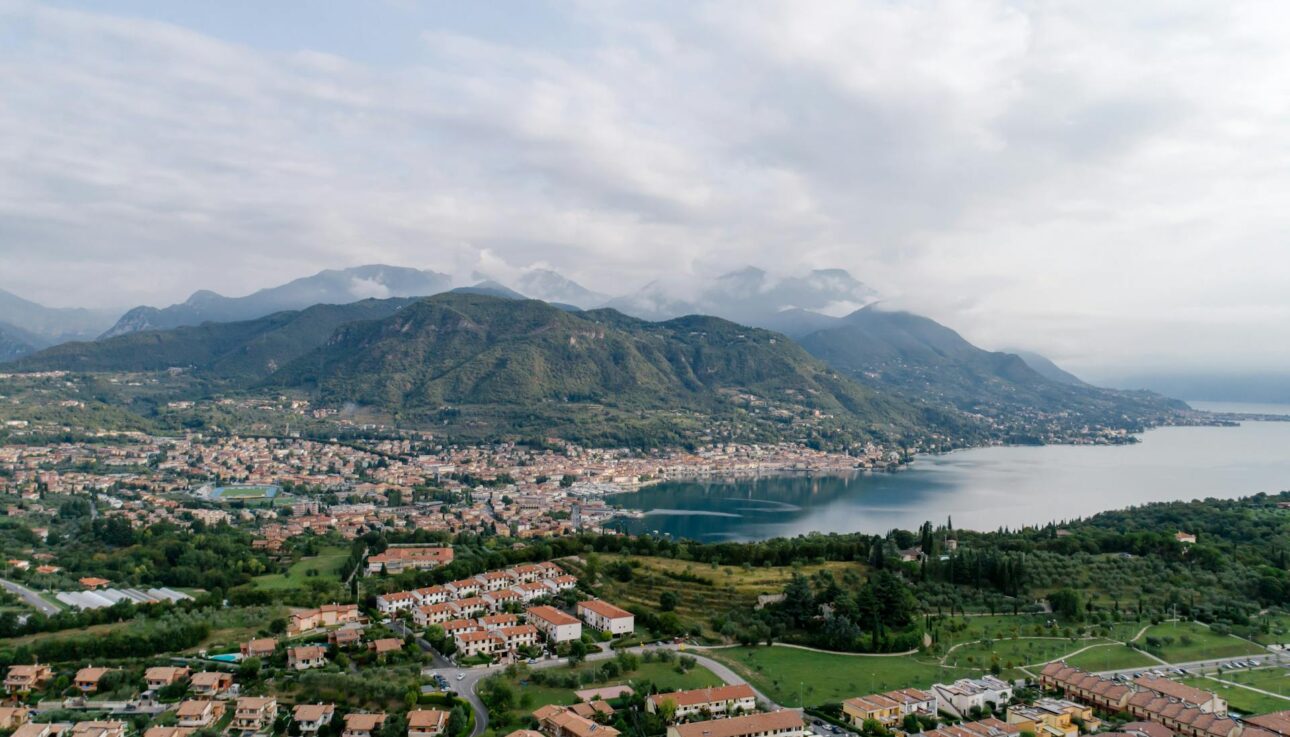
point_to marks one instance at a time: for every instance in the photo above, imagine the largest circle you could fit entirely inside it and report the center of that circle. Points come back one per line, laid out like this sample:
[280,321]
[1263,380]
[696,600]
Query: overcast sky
[1106,182]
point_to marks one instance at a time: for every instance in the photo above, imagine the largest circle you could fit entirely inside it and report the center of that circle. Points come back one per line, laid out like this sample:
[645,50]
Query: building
[1172,705]
[476,642]
[97,728]
[989,727]
[961,697]
[328,615]
[210,684]
[719,701]
[346,636]
[782,723]
[393,603]
[87,679]
[386,646]
[198,713]
[259,648]
[1053,718]
[517,636]
[427,722]
[255,714]
[397,560]
[555,625]
[1207,702]
[162,676]
[362,725]
[606,617]
[312,717]
[306,657]
[24,678]
[168,732]
[558,721]
[12,717]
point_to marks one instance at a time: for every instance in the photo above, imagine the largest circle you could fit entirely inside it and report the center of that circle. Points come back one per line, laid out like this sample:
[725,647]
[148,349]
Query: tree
[667,601]
[911,725]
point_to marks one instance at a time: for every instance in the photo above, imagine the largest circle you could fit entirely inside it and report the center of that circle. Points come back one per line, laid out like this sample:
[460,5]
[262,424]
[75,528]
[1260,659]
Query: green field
[1186,642]
[1241,700]
[663,675]
[782,672]
[1110,657]
[327,564]
[1012,653]
[244,492]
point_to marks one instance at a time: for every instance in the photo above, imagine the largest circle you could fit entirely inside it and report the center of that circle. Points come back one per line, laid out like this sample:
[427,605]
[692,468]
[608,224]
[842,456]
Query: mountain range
[26,326]
[341,286]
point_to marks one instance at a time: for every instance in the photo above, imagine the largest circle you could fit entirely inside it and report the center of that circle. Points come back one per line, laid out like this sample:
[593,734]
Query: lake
[982,489]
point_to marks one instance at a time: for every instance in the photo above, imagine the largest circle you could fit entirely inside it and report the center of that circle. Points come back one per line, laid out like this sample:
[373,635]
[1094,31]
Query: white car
[461,676]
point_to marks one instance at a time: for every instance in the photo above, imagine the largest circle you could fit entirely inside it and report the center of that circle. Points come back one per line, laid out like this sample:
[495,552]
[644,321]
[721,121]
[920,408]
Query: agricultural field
[326,566]
[792,675]
[702,590]
[1111,657]
[1185,642]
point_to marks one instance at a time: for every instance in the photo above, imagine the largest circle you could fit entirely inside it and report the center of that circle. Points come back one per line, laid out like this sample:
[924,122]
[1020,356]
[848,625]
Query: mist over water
[981,489]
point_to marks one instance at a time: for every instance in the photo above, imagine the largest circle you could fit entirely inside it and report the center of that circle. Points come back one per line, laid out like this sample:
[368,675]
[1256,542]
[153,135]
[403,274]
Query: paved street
[31,597]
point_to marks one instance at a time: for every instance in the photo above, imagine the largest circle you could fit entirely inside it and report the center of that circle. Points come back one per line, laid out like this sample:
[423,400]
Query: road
[31,597]
[466,680]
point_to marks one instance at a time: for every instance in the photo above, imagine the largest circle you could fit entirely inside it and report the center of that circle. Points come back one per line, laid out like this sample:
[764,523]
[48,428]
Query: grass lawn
[1110,657]
[327,564]
[663,675]
[709,589]
[1189,641]
[779,672]
[1242,700]
[1276,680]
[1013,653]
[1279,630]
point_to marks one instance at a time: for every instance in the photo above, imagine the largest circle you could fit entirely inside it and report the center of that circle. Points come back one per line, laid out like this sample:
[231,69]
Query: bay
[981,488]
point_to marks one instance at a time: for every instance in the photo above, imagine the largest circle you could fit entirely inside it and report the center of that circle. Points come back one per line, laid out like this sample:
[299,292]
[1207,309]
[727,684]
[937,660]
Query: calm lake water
[981,489]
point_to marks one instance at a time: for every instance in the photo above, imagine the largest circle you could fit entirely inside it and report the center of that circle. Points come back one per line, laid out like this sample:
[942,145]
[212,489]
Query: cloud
[1100,181]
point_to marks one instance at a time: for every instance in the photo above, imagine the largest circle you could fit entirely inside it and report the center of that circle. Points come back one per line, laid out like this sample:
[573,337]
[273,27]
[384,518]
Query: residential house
[398,601]
[346,636]
[198,713]
[606,617]
[306,657]
[87,679]
[555,625]
[782,723]
[12,717]
[558,721]
[475,642]
[966,694]
[362,725]
[24,678]
[312,717]
[96,728]
[517,636]
[429,614]
[427,722]
[255,714]
[386,646]
[168,732]
[1053,717]
[719,701]
[259,648]
[163,675]
[328,615]
[210,684]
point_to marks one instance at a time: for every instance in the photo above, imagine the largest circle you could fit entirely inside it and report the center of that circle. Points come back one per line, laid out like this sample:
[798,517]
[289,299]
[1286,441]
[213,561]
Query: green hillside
[533,362]
[238,351]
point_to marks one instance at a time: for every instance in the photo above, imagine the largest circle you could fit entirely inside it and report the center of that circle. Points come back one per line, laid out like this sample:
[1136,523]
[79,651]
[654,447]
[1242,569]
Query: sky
[1104,182]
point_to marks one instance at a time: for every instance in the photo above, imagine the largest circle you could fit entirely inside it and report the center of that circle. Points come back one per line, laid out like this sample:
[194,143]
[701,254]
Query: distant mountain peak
[330,286]
[551,286]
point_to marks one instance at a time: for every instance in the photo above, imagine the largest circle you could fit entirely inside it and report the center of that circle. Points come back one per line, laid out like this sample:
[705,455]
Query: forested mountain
[341,286]
[922,360]
[16,342]
[38,325]
[1049,370]
[531,359]
[242,351]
